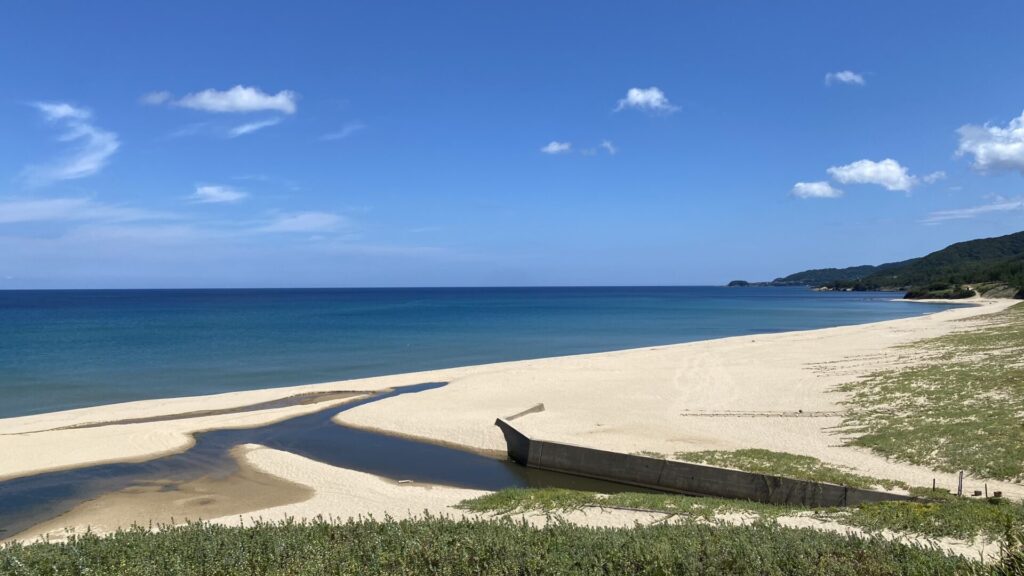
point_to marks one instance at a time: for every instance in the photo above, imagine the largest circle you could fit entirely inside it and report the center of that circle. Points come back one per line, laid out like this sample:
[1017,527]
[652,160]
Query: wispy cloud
[191,130]
[239,99]
[556,147]
[1000,205]
[305,222]
[155,98]
[95,146]
[214,194]
[815,190]
[844,77]
[16,211]
[994,147]
[650,99]
[887,173]
[251,127]
[346,131]
[609,147]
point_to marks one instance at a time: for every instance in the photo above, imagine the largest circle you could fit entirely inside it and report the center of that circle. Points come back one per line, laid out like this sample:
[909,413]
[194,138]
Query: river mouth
[209,467]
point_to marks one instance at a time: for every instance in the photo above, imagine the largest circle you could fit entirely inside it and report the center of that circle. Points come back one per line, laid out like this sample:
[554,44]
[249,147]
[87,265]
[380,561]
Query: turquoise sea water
[68,349]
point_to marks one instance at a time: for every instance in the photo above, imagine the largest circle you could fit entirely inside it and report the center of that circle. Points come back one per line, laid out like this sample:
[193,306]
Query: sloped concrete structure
[681,477]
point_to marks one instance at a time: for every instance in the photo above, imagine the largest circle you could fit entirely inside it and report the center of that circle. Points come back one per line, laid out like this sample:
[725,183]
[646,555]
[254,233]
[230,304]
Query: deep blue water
[68,349]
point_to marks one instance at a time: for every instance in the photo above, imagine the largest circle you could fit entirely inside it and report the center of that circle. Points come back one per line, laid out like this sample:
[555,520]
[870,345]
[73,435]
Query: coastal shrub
[1011,553]
[942,515]
[940,291]
[449,547]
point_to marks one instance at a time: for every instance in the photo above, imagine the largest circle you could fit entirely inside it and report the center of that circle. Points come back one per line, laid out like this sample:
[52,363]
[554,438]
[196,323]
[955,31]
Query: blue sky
[229,144]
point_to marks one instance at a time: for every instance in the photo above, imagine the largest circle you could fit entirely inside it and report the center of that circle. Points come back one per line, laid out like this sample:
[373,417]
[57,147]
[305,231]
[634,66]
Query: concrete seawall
[681,477]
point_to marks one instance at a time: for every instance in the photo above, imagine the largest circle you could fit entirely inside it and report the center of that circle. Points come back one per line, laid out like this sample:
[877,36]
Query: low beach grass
[958,406]
[449,547]
[554,500]
[937,515]
[788,465]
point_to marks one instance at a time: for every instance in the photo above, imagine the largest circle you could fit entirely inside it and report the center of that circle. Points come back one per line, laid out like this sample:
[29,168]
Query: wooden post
[960,485]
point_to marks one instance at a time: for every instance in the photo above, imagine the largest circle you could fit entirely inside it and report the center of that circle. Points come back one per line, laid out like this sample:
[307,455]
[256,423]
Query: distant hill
[824,276]
[993,265]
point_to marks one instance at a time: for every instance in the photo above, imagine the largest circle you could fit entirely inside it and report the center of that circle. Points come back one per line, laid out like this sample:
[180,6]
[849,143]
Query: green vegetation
[940,290]
[786,464]
[828,276]
[959,407]
[551,500]
[650,454]
[1011,553]
[942,515]
[441,546]
[995,262]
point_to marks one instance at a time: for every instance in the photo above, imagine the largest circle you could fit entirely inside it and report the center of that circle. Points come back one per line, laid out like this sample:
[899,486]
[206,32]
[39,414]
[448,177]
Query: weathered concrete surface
[682,477]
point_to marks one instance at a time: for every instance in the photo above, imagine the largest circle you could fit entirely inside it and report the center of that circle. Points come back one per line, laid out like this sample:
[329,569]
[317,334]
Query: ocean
[66,349]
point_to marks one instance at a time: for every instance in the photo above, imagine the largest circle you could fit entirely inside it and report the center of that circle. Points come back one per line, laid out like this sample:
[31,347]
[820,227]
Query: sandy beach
[773,391]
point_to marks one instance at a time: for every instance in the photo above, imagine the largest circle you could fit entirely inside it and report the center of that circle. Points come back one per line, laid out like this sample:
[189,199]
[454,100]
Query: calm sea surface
[68,349]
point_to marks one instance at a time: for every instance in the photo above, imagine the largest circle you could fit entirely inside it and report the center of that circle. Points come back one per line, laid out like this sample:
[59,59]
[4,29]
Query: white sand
[731,393]
[342,494]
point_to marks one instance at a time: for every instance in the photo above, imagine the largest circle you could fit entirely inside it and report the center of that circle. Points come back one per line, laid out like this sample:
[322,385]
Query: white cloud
[1000,205]
[305,222]
[887,173]
[994,147]
[155,98]
[609,147]
[815,190]
[346,131]
[213,194]
[240,99]
[844,77]
[646,99]
[933,177]
[69,209]
[556,147]
[54,111]
[251,127]
[96,146]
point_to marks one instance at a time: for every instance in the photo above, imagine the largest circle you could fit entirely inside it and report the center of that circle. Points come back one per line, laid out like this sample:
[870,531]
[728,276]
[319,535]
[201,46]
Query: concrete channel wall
[681,477]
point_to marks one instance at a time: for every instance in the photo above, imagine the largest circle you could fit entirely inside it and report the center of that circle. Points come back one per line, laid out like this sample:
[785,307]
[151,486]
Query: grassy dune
[959,407]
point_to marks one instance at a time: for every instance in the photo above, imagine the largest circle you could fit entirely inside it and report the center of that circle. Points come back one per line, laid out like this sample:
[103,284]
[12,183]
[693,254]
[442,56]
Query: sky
[322,144]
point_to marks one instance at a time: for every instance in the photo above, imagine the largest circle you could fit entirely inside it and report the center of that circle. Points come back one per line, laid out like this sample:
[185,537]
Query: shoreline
[78,400]
[721,394]
[176,435]
[663,398]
